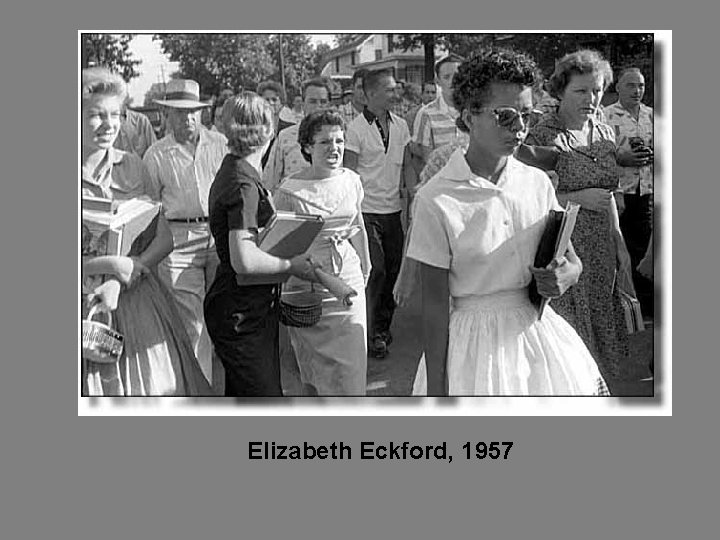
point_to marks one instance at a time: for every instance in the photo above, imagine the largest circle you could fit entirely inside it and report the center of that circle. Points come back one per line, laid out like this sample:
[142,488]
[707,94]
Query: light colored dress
[158,358]
[486,235]
[332,355]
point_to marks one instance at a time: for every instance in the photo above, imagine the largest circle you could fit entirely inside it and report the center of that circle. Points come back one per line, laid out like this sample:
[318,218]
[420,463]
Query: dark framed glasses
[507,117]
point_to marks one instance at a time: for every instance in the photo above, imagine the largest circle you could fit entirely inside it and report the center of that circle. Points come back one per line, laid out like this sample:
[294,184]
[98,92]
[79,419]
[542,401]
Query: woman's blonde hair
[248,123]
[100,81]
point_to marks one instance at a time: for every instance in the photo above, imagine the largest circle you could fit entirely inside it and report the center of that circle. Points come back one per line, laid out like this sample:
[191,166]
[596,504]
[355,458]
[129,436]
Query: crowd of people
[445,199]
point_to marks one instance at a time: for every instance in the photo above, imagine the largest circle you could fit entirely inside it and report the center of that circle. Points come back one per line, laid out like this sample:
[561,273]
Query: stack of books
[110,227]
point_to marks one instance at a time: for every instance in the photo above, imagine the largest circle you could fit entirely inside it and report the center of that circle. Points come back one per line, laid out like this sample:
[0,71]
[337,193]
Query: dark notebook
[553,245]
[287,235]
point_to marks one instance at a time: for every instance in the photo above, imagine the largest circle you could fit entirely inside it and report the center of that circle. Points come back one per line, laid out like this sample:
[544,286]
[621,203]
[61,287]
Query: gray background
[69,477]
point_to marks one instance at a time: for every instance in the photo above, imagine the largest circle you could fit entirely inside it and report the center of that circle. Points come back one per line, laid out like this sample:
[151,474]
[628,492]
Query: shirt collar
[372,118]
[458,170]
[554,121]
[444,106]
[202,139]
[112,157]
[621,110]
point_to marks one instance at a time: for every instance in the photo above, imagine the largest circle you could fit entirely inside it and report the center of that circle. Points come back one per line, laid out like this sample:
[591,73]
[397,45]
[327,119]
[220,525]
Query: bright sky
[154,62]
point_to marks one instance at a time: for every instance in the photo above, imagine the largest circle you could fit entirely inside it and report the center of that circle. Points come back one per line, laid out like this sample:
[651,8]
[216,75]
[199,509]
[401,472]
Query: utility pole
[282,64]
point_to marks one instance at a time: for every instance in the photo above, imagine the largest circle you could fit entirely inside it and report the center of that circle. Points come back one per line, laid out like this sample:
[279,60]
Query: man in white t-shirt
[376,148]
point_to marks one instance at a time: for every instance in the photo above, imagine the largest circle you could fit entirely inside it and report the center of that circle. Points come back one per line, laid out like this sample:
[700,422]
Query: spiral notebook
[553,245]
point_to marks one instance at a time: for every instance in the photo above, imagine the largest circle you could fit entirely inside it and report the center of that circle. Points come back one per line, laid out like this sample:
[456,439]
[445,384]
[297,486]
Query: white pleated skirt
[498,347]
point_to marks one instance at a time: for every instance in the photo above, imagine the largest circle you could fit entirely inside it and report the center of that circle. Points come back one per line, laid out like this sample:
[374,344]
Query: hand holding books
[306,268]
[556,266]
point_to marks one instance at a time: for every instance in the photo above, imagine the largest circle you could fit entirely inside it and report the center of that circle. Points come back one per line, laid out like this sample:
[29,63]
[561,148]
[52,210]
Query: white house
[374,51]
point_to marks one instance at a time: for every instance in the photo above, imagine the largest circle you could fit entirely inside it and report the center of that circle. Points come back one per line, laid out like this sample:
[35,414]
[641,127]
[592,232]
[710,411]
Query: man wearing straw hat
[182,166]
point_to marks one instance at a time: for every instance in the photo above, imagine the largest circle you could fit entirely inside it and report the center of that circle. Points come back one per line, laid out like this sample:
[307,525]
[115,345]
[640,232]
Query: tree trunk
[429,47]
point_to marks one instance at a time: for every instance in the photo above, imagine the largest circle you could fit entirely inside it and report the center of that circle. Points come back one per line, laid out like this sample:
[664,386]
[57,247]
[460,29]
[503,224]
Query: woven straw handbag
[100,343]
[300,310]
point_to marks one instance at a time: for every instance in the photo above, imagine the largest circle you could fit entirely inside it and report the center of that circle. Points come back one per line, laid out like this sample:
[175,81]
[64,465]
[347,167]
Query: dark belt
[189,220]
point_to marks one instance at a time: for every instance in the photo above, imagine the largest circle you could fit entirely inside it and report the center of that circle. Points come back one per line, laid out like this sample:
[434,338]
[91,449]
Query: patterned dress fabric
[593,305]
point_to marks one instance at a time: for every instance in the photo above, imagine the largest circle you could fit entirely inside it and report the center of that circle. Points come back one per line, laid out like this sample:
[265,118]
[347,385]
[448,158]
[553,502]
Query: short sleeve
[405,132]
[550,197]
[242,207]
[131,176]
[352,138]
[152,166]
[429,241]
[419,126]
[359,190]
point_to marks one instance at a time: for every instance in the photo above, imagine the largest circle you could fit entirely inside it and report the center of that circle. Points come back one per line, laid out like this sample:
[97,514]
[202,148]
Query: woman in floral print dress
[587,174]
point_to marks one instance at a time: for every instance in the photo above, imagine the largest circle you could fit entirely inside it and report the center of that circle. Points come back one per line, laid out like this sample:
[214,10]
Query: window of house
[390,42]
[337,65]
[378,54]
[352,58]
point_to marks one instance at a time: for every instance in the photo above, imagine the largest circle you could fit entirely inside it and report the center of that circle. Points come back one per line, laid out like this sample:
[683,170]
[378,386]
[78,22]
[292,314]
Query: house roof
[340,51]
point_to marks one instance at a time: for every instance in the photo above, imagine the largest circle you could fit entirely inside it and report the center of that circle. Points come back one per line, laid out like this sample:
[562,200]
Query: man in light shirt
[182,167]
[435,122]
[633,124]
[285,157]
[136,133]
[376,148]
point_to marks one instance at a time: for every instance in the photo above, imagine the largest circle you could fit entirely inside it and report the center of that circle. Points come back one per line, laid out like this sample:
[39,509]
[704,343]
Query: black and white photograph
[297,216]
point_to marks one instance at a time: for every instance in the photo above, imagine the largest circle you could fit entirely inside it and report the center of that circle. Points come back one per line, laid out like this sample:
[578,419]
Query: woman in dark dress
[243,319]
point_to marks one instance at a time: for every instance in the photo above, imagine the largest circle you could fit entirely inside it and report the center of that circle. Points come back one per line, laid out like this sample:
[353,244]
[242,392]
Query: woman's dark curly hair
[471,83]
[311,126]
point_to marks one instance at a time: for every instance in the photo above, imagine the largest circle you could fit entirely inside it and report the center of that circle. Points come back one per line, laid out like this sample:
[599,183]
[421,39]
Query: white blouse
[486,234]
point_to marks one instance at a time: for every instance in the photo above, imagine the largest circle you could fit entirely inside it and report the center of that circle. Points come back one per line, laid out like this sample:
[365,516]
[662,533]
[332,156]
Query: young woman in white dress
[332,354]
[476,229]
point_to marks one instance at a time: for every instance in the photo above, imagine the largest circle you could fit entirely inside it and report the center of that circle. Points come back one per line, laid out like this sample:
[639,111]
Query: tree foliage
[300,60]
[111,51]
[241,61]
[344,39]
[460,44]
[218,61]
[545,48]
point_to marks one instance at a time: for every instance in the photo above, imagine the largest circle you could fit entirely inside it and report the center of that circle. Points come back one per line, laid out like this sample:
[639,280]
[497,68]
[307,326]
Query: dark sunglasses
[506,117]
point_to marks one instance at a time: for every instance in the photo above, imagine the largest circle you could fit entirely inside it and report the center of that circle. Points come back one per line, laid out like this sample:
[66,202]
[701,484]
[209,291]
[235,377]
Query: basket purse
[100,342]
[300,310]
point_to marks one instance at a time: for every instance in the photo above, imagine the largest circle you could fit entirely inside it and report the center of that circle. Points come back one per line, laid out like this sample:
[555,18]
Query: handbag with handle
[100,342]
[633,314]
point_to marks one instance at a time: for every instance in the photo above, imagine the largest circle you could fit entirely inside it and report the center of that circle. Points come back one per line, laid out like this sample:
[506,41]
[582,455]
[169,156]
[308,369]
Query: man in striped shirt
[435,122]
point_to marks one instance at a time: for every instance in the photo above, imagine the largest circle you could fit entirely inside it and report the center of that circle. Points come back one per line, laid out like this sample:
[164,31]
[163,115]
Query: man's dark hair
[374,76]
[359,73]
[319,82]
[271,85]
